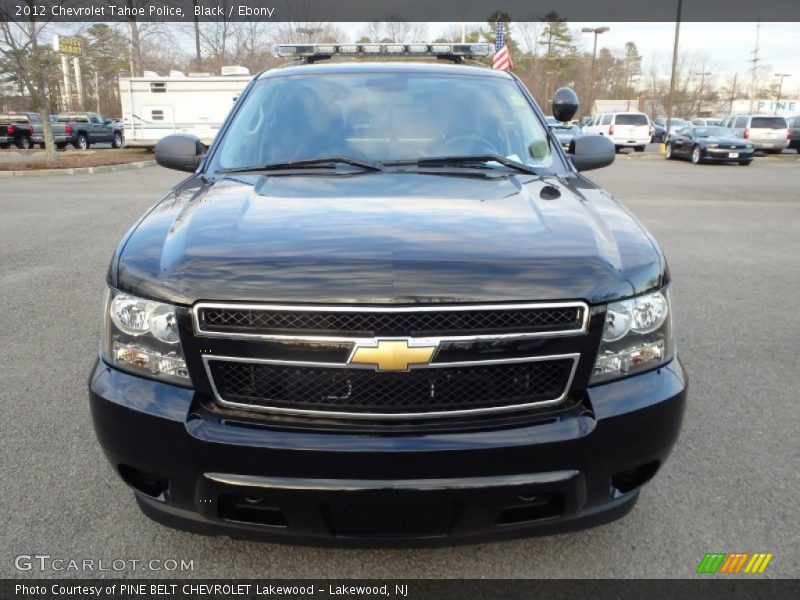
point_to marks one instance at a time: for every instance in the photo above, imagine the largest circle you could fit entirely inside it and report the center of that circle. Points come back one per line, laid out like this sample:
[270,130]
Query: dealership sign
[67,45]
[768,107]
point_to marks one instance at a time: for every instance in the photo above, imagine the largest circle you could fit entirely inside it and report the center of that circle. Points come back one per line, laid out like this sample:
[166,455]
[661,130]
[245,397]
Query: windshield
[713,132]
[383,117]
[677,122]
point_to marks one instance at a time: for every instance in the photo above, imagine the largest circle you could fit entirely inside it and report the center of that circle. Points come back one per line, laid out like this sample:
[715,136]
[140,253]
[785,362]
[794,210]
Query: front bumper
[724,154]
[212,475]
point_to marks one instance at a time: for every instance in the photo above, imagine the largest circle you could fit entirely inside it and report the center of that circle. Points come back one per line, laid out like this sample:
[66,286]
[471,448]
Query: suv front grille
[256,321]
[367,393]
[338,361]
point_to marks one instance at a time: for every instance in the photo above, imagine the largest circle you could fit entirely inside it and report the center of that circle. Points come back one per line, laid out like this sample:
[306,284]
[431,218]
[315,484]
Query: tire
[744,163]
[118,142]
[82,143]
[668,152]
[617,149]
[23,143]
[697,157]
[639,148]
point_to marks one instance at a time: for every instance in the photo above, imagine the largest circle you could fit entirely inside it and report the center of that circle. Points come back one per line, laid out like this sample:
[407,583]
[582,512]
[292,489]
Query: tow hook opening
[627,481]
[150,484]
[533,507]
[250,508]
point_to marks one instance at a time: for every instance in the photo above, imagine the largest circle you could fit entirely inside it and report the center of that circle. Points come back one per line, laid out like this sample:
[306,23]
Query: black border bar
[306,11]
[741,587]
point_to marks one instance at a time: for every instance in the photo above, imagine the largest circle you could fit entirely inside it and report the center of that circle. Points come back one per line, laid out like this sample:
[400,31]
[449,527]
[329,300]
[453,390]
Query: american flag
[502,57]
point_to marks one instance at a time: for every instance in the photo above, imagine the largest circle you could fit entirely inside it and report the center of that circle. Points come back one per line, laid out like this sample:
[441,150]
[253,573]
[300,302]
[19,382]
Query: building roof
[611,106]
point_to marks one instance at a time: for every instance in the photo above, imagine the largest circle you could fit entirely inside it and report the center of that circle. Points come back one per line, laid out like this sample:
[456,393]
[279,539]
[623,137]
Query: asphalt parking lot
[732,237]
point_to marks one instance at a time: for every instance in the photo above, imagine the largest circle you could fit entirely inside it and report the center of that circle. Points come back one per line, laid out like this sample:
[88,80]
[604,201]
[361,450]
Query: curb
[643,156]
[79,170]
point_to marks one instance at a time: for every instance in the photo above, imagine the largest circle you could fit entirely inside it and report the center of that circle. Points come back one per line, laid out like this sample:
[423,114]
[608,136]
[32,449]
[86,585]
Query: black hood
[386,238]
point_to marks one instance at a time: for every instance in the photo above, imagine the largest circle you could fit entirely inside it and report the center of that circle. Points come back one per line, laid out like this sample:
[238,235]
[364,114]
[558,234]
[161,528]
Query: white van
[626,130]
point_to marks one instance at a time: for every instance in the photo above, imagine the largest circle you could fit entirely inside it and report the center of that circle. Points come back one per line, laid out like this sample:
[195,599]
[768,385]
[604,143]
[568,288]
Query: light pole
[309,31]
[780,88]
[596,31]
[675,43]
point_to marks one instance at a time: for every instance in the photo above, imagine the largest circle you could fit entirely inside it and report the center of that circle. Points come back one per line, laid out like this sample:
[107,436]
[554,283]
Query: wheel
[23,143]
[697,157]
[118,142]
[668,151]
[60,145]
[639,148]
[617,148]
[744,163]
[82,143]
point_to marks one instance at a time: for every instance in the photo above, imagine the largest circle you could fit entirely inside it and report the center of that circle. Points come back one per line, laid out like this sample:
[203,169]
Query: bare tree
[19,44]
[395,30]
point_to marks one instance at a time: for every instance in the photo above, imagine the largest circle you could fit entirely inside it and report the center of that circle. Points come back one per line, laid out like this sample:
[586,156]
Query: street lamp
[596,31]
[780,88]
[309,31]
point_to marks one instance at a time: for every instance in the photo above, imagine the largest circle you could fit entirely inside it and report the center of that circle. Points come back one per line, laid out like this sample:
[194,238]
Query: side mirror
[180,151]
[565,104]
[592,152]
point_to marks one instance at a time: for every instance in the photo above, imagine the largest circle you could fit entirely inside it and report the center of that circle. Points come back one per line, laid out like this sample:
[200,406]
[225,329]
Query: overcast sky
[729,46]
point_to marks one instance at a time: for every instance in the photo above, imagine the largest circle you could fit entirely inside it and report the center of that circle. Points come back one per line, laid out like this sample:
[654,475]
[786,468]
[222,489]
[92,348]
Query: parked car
[769,133]
[406,316]
[626,130]
[706,122]
[566,134]
[709,144]
[794,133]
[660,127]
[17,130]
[82,129]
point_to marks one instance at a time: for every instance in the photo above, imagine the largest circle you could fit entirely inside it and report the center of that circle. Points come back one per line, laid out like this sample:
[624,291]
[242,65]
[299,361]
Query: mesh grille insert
[365,391]
[428,322]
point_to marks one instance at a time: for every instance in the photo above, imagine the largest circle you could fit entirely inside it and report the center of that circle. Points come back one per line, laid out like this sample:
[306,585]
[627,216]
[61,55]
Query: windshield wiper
[479,161]
[327,162]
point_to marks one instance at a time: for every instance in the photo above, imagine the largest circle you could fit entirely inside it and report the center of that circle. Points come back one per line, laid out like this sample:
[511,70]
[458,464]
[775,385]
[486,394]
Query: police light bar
[312,51]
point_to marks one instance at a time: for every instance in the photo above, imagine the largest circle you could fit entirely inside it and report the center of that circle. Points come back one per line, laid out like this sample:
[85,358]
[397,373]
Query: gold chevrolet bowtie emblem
[393,355]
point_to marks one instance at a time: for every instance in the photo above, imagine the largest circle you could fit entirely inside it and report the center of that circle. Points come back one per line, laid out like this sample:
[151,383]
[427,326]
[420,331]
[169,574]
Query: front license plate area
[733,155]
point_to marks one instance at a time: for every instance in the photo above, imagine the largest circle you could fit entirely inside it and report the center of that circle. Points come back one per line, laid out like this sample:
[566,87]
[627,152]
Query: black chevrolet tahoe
[386,308]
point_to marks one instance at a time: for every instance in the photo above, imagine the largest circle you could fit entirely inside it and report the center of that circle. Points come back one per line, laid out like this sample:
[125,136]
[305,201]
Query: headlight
[637,337]
[141,336]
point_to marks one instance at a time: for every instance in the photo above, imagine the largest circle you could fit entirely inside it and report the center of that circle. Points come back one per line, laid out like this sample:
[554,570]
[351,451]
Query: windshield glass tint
[768,123]
[712,132]
[632,120]
[383,117]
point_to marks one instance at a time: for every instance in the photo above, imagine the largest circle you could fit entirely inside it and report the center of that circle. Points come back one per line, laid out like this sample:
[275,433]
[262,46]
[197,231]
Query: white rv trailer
[155,106]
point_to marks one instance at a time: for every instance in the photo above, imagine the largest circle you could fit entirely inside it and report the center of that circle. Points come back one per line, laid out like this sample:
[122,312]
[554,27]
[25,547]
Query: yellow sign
[68,45]
[393,355]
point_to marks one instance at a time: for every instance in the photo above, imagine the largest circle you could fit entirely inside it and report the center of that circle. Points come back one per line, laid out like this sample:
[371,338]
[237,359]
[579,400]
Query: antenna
[754,73]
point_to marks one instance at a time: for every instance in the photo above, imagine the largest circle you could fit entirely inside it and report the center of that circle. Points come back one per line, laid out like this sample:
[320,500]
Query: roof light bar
[326,50]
